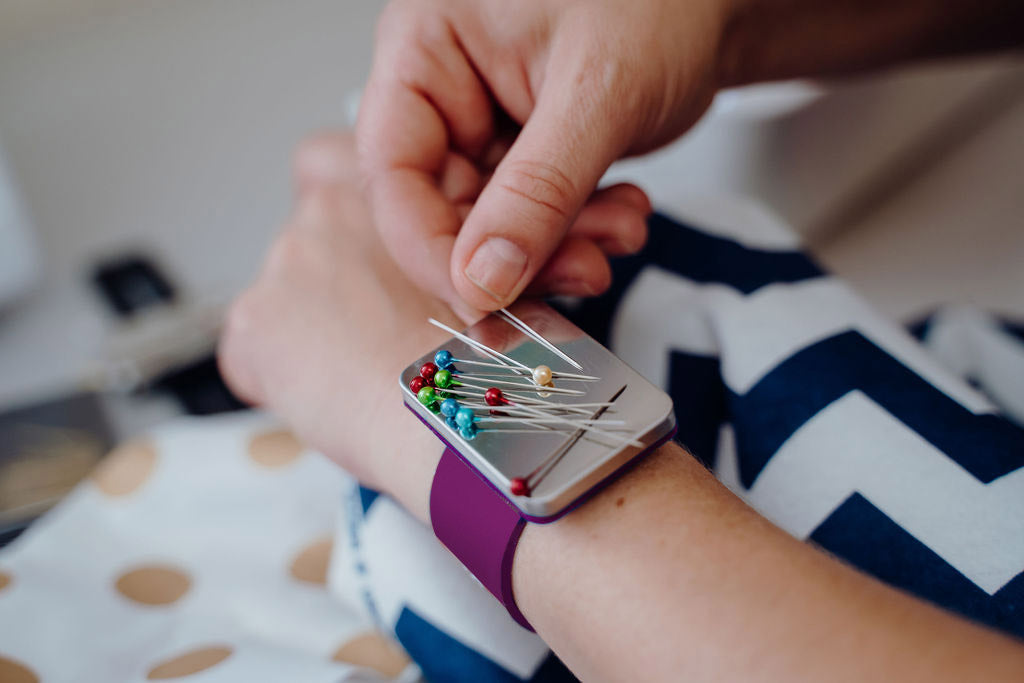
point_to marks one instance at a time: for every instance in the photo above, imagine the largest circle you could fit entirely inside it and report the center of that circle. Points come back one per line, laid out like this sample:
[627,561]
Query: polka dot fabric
[197,554]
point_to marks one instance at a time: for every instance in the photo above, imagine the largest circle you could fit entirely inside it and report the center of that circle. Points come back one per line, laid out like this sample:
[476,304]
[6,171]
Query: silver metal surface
[644,409]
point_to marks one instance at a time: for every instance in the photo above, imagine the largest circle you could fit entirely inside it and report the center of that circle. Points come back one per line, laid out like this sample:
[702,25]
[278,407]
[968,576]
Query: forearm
[668,575]
[773,39]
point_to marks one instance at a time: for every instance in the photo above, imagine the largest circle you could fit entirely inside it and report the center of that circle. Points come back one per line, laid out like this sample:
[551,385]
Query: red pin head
[519,487]
[494,397]
[427,371]
[416,384]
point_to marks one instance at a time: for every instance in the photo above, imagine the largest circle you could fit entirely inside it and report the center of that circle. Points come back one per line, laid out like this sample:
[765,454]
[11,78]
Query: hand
[321,336]
[475,209]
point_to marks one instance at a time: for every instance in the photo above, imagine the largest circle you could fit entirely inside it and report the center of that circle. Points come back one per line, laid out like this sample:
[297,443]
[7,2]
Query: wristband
[478,525]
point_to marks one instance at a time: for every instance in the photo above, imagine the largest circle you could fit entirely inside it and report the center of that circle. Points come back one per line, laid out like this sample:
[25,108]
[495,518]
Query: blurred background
[144,169]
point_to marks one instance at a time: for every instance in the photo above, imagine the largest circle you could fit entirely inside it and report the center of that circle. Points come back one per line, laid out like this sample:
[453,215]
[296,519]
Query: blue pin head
[449,407]
[443,359]
[464,418]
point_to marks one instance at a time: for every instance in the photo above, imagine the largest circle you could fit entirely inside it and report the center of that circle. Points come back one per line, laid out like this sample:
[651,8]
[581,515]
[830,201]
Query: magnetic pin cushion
[540,410]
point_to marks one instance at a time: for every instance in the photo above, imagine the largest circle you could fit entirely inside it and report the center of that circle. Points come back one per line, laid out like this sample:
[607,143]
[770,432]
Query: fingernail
[496,267]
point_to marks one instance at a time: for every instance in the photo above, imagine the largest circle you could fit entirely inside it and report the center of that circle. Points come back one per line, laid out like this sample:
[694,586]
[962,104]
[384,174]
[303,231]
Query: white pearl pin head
[542,375]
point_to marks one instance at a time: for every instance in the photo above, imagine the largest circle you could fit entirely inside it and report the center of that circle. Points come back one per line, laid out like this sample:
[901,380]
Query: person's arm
[665,575]
[668,576]
[767,39]
[487,124]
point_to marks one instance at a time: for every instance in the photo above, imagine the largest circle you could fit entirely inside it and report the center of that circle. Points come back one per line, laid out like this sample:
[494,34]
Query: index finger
[423,97]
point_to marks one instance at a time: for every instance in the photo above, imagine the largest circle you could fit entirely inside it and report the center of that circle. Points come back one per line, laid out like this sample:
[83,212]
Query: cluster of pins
[504,395]
[460,400]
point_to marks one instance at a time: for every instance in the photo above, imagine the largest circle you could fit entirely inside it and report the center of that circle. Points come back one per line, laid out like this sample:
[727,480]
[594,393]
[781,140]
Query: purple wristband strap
[478,525]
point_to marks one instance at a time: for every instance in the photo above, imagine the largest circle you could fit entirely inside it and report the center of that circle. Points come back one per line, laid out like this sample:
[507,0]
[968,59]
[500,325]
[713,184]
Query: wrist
[578,572]
[406,472]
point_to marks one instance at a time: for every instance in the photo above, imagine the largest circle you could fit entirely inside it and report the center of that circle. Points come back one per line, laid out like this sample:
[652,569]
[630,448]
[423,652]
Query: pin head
[443,359]
[464,418]
[542,375]
[427,371]
[443,378]
[519,487]
[426,396]
[416,384]
[493,397]
[449,407]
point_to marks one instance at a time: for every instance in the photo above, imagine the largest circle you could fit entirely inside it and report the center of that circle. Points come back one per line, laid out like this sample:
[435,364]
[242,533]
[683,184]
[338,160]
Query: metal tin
[644,408]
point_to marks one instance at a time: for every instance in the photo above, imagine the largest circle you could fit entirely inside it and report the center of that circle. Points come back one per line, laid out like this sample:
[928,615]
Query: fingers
[577,268]
[423,98]
[615,219]
[414,219]
[535,194]
[417,50]
[234,351]
[613,223]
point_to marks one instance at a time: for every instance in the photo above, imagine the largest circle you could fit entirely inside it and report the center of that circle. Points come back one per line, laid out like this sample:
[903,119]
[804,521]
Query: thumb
[526,208]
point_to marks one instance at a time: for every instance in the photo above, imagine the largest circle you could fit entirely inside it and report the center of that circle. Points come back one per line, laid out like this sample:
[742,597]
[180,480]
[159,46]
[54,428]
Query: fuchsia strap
[478,525]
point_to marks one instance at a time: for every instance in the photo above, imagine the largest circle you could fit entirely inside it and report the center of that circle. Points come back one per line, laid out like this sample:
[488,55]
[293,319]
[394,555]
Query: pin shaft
[523,327]
[497,355]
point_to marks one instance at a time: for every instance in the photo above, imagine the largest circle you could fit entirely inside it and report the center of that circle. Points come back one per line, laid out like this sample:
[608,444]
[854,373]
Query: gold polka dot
[126,468]
[5,581]
[15,672]
[189,663]
[154,585]
[274,449]
[373,651]
[310,565]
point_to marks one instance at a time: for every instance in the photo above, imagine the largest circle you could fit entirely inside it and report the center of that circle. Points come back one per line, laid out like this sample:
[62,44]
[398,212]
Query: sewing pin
[526,329]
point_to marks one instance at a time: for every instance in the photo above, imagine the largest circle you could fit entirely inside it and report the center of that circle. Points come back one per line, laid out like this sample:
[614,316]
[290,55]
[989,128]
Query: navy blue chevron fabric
[861,534]
[987,446]
[444,658]
[789,387]
[695,255]
[798,387]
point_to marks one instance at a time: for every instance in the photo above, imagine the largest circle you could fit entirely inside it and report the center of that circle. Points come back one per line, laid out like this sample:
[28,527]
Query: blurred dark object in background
[136,288]
[132,284]
[45,450]
[199,388]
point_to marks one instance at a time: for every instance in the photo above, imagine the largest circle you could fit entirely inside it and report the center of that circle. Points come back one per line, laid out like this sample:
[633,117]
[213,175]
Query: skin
[665,575]
[493,120]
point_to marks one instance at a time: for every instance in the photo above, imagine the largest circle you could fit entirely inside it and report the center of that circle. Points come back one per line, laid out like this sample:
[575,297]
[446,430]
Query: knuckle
[394,15]
[233,352]
[318,210]
[241,321]
[544,186]
[286,255]
[325,158]
[630,230]
[636,238]
[423,55]
[635,197]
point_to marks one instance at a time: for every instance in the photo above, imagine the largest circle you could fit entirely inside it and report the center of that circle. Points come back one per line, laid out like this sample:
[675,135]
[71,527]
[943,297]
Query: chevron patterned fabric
[903,456]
